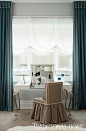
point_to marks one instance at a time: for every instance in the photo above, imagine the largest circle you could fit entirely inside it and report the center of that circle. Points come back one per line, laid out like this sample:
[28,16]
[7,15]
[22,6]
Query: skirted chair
[50,109]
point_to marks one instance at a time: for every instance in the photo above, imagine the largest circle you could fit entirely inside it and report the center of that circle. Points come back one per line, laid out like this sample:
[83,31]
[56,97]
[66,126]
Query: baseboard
[28,104]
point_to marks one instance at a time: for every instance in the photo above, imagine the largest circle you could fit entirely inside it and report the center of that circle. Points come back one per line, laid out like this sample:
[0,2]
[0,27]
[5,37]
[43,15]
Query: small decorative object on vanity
[37,81]
[37,74]
[49,69]
[59,78]
[40,78]
[62,77]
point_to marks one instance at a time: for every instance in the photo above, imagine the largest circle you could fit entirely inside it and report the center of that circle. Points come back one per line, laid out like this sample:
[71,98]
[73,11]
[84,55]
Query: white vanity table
[18,87]
[66,86]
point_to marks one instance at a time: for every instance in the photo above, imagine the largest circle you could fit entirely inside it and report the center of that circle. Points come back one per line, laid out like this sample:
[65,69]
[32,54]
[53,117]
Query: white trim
[28,104]
[43,16]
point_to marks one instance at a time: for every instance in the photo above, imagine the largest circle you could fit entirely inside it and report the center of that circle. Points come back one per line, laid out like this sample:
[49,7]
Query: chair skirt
[48,113]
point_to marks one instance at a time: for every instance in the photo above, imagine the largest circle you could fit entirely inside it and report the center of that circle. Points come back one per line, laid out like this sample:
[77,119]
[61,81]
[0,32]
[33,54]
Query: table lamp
[23,70]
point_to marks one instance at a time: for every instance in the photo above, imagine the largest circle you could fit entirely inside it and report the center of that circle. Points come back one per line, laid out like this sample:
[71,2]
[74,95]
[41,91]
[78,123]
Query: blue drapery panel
[79,56]
[6,57]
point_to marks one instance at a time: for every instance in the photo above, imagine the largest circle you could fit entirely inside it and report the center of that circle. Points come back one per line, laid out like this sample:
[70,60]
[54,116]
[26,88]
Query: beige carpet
[9,120]
[54,128]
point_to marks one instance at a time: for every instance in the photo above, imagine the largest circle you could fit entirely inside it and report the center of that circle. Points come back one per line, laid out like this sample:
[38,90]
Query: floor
[9,120]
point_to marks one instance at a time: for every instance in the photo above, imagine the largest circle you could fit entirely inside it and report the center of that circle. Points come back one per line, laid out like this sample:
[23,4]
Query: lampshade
[23,68]
[48,68]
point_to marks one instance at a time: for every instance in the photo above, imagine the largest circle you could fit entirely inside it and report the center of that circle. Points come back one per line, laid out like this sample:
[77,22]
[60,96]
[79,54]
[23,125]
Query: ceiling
[42,1]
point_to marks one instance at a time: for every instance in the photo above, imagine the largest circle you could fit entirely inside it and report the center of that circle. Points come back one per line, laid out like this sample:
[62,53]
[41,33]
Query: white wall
[59,9]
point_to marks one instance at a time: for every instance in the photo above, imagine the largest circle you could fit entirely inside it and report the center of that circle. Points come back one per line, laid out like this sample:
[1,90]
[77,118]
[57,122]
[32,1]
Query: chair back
[53,92]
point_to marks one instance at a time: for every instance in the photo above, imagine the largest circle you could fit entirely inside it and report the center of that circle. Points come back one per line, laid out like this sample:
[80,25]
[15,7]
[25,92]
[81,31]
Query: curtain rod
[43,16]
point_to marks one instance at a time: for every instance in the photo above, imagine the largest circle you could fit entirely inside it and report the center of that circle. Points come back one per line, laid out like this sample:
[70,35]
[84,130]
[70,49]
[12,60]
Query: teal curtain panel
[6,57]
[79,56]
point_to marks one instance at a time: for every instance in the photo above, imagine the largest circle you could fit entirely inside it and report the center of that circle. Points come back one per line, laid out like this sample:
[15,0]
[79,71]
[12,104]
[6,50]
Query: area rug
[47,128]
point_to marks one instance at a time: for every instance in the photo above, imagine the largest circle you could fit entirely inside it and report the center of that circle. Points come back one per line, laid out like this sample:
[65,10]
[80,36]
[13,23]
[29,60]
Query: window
[43,35]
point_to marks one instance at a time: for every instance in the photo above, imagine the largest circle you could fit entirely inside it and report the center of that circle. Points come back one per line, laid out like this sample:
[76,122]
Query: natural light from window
[42,34]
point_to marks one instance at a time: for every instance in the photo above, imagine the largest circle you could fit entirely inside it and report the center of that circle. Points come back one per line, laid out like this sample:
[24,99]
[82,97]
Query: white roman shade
[42,34]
